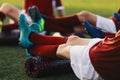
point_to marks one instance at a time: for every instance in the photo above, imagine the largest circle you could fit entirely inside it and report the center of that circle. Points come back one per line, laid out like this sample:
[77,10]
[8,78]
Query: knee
[63,51]
[60,50]
[83,15]
[5,5]
[72,39]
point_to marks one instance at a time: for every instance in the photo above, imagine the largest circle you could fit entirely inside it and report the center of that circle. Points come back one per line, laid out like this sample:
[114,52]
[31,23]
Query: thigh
[11,11]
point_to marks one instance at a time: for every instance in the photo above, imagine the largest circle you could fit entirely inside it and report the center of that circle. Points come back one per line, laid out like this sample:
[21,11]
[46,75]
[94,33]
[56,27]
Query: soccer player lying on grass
[91,59]
[55,25]
[13,12]
[9,32]
[66,24]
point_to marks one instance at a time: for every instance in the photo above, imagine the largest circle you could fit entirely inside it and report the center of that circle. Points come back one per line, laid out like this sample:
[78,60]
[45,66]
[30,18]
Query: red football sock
[46,40]
[10,26]
[48,51]
[2,16]
[70,21]
[52,27]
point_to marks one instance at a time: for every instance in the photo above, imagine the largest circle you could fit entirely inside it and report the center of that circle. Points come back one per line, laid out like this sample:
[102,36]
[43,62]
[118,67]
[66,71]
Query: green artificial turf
[12,58]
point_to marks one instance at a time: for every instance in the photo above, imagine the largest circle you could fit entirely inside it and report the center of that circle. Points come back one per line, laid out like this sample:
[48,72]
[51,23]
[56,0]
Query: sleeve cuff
[60,8]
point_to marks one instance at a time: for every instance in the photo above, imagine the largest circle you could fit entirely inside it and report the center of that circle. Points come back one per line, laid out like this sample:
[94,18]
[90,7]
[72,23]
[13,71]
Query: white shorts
[80,61]
[105,24]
